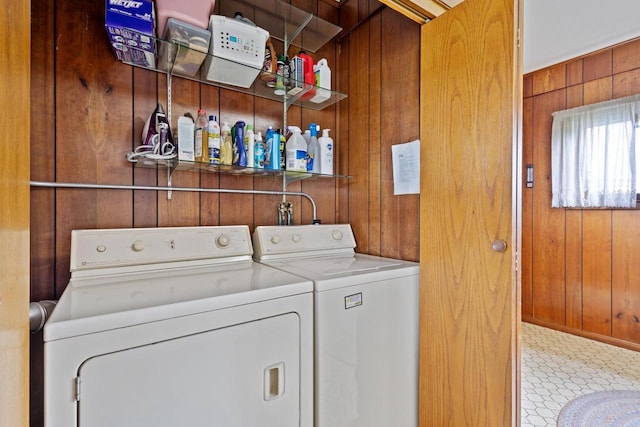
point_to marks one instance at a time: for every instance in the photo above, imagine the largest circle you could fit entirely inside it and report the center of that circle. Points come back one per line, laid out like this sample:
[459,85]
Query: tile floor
[558,367]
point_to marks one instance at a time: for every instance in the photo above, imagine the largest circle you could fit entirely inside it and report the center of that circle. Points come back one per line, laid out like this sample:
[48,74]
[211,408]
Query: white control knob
[337,235]
[275,240]
[223,241]
[138,246]
[296,238]
[101,248]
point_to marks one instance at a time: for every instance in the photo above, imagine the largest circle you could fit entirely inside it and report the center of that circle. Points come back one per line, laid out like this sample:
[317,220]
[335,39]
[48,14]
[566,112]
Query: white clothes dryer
[178,327]
[366,324]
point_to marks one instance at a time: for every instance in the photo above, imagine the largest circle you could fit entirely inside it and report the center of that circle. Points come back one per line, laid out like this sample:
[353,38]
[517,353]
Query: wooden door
[15,27]
[469,134]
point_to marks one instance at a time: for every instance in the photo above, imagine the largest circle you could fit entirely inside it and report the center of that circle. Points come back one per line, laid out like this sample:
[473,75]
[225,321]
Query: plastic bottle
[213,141]
[201,136]
[322,74]
[307,136]
[242,153]
[326,153]
[313,151]
[309,76]
[226,146]
[274,151]
[249,143]
[259,152]
[283,144]
[296,154]
[280,88]
[267,148]
[270,64]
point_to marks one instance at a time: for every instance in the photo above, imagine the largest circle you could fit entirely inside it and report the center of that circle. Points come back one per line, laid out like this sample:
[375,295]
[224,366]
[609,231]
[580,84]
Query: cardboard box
[130,25]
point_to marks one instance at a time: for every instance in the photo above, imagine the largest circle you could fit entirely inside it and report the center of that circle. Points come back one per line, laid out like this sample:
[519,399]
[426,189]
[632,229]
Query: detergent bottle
[242,153]
[259,152]
[201,136]
[250,145]
[226,146]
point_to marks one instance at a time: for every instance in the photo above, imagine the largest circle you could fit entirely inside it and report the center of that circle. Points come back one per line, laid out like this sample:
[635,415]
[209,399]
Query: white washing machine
[366,324]
[178,327]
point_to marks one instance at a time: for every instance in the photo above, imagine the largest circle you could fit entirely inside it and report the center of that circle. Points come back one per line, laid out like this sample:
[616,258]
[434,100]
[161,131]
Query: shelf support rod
[188,189]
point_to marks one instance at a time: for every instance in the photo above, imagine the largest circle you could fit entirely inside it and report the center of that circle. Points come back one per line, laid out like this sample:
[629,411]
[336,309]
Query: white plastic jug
[323,81]
[296,151]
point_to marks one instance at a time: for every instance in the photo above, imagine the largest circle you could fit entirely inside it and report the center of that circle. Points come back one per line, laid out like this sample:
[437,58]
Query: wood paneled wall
[88,110]
[579,267]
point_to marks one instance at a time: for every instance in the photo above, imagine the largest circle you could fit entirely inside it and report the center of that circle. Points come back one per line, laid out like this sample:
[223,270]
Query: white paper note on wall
[406,168]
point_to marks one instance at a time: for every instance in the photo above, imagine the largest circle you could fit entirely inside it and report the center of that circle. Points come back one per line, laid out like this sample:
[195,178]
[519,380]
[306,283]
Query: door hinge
[78,389]
[515,261]
[518,37]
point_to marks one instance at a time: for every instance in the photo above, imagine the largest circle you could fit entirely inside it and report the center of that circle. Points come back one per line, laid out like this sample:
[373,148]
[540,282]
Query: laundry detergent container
[236,52]
[193,12]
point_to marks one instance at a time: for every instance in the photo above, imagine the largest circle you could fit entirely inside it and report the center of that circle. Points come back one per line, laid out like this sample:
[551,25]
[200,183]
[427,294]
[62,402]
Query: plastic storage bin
[238,51]
[185,61]
[194,12]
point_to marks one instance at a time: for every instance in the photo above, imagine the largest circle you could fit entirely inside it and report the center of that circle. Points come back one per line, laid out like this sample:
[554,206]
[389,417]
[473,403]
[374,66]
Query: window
[594,155]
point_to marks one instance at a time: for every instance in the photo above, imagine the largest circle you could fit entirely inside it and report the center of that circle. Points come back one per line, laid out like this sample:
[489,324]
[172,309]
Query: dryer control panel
[273,242]
[106,248]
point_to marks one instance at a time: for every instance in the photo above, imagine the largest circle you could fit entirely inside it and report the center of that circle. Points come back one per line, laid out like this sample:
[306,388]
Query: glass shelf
[173,58]
[184,166]
[283,22]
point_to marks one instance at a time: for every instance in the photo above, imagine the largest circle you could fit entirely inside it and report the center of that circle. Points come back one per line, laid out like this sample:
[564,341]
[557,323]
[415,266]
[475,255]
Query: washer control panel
[302,240]
[136,246]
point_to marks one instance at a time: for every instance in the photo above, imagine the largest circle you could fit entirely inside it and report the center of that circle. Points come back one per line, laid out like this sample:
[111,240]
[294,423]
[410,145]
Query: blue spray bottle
[242,153]
[274,159]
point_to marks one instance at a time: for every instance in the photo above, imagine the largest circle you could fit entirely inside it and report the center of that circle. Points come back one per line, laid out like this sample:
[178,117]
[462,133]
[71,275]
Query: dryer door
[237,376]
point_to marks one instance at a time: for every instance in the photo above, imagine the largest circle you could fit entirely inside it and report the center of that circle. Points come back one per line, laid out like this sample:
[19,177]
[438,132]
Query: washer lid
[99,303]
[330,272]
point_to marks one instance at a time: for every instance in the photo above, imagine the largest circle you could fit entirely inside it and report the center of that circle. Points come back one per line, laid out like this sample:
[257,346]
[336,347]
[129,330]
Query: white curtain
[593,155]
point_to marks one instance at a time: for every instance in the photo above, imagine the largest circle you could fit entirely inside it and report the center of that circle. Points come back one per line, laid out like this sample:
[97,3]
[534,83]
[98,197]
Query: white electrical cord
[156,151]
[159,149]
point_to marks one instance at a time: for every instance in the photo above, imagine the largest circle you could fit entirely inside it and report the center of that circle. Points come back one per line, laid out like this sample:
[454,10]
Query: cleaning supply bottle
[201,137]
[322,74]
[326,153]
[250,145]
[259,152]
[283,144]
[242,153]
[268,143]
[313,151]
[213,141]
[307,136]
[273,147]
[280,87]
[309,76]
[226,146]
[296,154]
